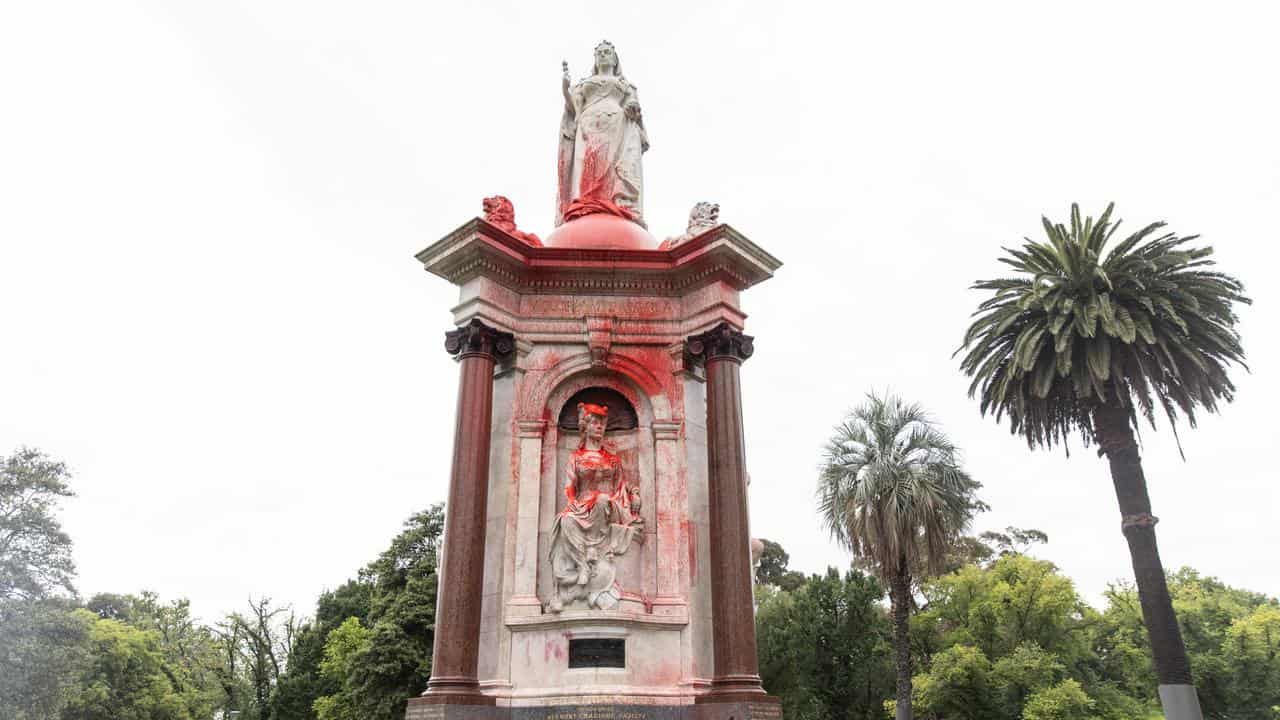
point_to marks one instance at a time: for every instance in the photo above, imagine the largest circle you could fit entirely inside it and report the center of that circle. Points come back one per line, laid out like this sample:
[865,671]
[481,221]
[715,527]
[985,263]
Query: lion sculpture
[703,217]
[499,211]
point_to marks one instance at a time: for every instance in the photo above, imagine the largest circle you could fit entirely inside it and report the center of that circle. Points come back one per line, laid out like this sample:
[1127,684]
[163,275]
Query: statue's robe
[600,161]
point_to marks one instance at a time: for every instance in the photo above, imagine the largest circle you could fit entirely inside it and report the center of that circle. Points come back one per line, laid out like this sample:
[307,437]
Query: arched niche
[633,443]
[541,397]
[622,414]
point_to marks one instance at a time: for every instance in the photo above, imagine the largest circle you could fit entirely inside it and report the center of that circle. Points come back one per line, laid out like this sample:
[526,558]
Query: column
[737,676]
[455,654]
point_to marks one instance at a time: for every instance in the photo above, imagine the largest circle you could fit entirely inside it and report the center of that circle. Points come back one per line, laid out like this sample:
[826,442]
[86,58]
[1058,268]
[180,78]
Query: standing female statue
[600,520]
[602,139]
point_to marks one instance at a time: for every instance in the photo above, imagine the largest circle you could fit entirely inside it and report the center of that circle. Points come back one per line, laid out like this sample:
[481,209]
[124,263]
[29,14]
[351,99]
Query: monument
[596,561]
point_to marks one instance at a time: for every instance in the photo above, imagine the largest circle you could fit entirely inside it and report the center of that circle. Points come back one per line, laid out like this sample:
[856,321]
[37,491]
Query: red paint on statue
[499,212]
[595,189]
[584,206]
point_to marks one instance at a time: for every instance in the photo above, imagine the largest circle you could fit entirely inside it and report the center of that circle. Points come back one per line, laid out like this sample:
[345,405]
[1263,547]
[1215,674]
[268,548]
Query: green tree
[1230,644]
[42,644]
[824,647]
[43,647]
[302,682]
[1251,658]
[126,677]
[396,662]
[891,489]
[191,656]
[341,648]
[1064,701]
[1013,540]
[773,569]
[260,642]
[1031,625]
[957,686]
[389,659]
[1082,341]
[1028,669]
[35,553]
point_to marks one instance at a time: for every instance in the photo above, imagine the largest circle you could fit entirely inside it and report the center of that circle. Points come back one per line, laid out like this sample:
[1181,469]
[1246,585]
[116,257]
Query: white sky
[208,211]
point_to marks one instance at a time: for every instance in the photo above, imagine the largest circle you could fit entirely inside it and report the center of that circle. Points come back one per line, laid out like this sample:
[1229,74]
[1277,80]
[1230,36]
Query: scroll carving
[477,338]
[722,341]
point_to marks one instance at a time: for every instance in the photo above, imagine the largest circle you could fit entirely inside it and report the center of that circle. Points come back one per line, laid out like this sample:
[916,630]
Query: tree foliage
[35,553]
[1232,636]
[824,647]
[127,678]
[303,682]
[369,648]
[773,568]
[891,488]
[43,648]
[1146,324]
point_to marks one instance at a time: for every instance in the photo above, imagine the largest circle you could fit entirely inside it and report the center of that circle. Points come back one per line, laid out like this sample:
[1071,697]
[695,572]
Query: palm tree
[891,490]
[1082,342]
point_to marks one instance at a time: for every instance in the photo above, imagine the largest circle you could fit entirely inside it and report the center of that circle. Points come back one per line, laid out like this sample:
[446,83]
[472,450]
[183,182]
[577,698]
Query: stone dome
[601,231]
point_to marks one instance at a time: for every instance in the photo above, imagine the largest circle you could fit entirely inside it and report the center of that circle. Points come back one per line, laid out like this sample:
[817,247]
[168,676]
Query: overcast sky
[208,213]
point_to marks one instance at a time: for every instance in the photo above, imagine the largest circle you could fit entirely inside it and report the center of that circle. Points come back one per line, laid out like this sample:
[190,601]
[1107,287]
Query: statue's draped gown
[600,150]
[596,524]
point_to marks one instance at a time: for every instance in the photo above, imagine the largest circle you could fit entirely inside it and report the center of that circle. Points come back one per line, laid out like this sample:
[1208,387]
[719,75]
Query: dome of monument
[601,231]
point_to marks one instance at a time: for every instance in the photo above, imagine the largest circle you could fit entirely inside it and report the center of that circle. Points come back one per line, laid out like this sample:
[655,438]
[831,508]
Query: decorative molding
[599,338]
[667,429]
[476,338]
[531,428]
[581,619]
[480,248]
[721,342]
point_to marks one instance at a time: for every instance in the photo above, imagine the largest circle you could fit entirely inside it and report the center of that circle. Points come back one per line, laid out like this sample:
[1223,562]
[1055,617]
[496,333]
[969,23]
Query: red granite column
[457,636]
[737,676]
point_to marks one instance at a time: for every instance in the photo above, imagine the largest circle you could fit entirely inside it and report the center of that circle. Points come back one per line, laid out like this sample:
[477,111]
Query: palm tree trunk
[1115,437]
[900,604]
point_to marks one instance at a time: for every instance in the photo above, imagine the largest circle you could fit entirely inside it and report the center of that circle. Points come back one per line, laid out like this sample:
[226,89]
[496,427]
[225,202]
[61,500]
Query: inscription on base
[602,712]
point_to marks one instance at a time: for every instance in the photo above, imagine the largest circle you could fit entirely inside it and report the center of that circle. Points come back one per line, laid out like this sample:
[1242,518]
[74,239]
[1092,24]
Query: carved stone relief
[600,521]
[703,217]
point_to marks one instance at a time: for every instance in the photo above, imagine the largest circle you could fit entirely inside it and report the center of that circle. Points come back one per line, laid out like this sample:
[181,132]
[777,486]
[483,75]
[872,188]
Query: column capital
[721,341]
[476,338]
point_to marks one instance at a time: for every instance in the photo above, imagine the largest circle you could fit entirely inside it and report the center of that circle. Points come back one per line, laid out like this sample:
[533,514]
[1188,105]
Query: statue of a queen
[602,139]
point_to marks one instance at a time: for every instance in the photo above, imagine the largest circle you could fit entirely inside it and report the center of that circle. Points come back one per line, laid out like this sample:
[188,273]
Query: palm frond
[891,488]
[1142,325]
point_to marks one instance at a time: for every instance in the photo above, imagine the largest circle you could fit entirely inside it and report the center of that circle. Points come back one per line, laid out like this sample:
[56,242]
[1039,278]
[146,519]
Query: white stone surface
[568,342]
[1179,702]
[602,131]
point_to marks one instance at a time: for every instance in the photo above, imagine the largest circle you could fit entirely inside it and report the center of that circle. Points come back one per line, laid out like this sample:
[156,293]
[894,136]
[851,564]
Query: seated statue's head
[607,60]
[592,420]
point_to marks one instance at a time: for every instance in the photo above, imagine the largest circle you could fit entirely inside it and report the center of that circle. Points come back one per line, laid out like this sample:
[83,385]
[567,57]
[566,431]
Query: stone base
[759,707]
[738,706]
[423,708]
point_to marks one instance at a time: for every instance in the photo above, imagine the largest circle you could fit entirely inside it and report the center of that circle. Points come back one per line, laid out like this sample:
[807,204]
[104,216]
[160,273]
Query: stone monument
[596,561]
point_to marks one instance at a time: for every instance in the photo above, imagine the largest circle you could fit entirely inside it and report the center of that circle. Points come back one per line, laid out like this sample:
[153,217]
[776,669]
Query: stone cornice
[479,248]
